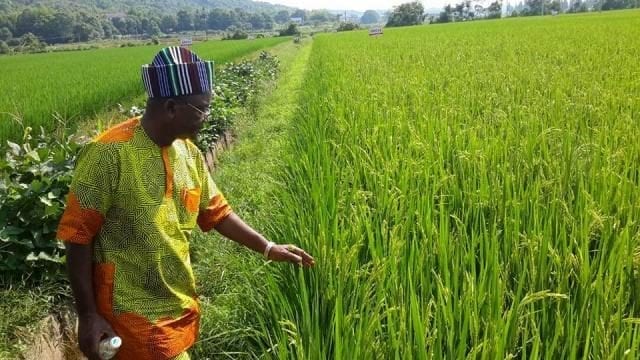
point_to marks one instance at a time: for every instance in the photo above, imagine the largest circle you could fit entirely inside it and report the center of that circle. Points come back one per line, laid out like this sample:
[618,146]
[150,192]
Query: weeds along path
[230,277]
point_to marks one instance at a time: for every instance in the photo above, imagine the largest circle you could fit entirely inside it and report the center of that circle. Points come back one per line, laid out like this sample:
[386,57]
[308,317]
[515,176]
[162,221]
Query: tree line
[41,25]
[412,13]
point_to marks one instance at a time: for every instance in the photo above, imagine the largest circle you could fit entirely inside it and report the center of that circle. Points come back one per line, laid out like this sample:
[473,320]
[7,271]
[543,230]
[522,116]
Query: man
[138,191]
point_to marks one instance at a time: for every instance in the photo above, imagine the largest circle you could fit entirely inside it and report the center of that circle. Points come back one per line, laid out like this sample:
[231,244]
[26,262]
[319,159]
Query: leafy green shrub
[348,26]
[34,180]
[236,35]
[4,48]
[291,30]
[235,84]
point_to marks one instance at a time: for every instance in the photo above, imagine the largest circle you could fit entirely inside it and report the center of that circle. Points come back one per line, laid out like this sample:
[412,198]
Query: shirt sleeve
[90,194]
[213,206]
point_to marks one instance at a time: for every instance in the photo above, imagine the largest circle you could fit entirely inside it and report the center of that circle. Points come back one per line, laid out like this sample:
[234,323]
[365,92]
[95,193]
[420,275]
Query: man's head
[179,85]
[180,116]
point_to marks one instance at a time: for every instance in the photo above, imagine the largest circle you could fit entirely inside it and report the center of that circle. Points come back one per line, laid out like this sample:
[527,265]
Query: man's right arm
[88,201]
[92,327]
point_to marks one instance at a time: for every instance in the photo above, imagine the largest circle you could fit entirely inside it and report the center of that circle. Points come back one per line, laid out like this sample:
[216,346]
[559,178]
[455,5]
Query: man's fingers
[306,259]
[294,258]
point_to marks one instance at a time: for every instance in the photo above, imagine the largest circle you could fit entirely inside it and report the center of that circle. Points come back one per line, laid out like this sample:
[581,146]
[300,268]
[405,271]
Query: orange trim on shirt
[217,210]
[78,225]
[168,172]
[119,133]
[191,199]
[142,339]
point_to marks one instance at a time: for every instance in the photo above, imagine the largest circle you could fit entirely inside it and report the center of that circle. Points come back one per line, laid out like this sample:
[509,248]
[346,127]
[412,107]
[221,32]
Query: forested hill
[28,25]
[145,5]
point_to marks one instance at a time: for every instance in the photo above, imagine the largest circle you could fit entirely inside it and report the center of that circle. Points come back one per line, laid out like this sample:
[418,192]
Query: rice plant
[469,191]
[55,89]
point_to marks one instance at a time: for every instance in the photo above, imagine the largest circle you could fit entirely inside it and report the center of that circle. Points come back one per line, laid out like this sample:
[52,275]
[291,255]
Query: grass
[469,190]
[230,278]
[61,89]
[27,306]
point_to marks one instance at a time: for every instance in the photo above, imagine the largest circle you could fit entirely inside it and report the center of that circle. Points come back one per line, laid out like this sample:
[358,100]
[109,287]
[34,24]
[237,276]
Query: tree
[185,21]
[256,21]
[33,20]
[555,6]
[220,19]
[299,13]
[407,14]
[168,23]
[370,17]
[267,20]
[30,42]
[291,30]
[495,10]
[4,48]
[5,34]
[282,17]
[348,26]
[200,20]
[120,24]
[5,6]
[153,29]
[445,15]
[60,27]
[319,16]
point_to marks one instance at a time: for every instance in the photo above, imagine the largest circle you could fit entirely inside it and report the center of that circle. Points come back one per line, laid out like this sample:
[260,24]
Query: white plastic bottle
[109,347]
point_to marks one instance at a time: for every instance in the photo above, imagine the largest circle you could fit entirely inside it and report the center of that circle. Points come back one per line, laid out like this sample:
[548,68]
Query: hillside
[159,5]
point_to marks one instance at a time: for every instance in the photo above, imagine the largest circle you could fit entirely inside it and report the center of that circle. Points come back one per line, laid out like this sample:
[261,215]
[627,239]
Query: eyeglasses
[206,112]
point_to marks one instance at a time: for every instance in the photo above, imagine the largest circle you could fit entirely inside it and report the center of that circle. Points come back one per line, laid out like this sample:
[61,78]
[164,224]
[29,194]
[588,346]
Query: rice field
[468,190]
[44,89]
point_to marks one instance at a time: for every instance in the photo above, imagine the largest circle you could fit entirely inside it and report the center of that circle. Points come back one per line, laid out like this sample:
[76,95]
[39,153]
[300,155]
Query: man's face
[190,114]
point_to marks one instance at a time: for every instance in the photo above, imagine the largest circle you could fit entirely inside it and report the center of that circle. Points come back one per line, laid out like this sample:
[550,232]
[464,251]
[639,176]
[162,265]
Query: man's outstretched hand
[292,254]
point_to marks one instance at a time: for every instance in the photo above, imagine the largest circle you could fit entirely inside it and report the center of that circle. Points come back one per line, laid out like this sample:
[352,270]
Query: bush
[236,83]
[4,48]
[236,35]
[291,30]
[34,180]
[348,26]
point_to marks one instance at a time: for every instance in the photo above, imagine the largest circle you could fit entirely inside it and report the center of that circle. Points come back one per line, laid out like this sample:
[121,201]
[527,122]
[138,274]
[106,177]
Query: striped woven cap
[176,71]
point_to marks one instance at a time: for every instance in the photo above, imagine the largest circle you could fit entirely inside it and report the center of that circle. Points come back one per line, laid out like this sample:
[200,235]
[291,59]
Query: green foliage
[291,30]
[370,17]
[406,14]
[236,35]
[282,17]
[34,179]
[5,34]
[348,26]
[4,48]
[236,83]
[495,10]
[30,43]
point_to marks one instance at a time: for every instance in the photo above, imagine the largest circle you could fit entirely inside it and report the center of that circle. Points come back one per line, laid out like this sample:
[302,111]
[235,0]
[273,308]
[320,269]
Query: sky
[359,5]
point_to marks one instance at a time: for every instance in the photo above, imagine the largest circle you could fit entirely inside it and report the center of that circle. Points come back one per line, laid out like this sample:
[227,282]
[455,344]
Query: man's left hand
[292,254]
